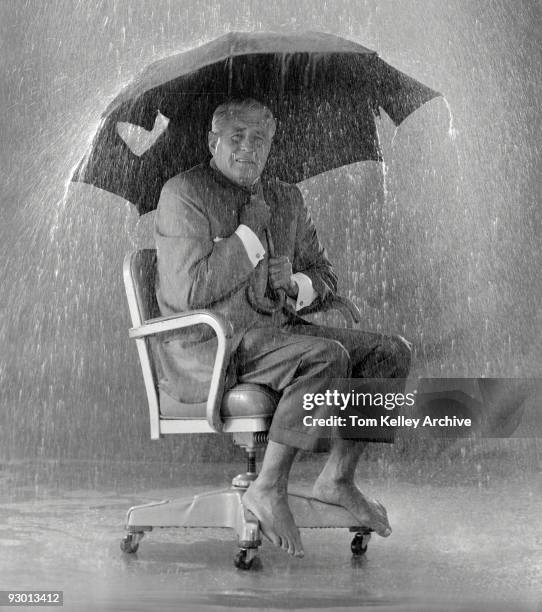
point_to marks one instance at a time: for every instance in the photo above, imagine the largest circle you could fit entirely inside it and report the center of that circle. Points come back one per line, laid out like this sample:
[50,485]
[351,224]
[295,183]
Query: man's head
[240,139]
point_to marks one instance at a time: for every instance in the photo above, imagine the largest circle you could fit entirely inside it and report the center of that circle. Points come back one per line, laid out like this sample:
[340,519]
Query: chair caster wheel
[130,542]
[245,558]
[359,543]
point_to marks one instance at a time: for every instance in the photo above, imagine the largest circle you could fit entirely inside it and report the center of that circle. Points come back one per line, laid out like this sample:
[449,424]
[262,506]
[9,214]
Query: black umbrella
[324,91]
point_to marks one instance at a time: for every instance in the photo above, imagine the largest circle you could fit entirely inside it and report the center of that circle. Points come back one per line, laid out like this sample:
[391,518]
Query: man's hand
[280,276]
[256,214]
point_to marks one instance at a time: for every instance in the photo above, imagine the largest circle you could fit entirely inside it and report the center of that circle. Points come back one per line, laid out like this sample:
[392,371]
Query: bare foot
[276,521]
[369,512]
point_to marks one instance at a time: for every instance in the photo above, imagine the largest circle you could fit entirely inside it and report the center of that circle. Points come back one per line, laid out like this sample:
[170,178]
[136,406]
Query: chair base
[224,508]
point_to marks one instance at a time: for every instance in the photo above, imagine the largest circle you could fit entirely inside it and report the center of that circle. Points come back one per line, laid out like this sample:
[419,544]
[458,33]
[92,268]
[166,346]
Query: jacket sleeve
[193,270]
[310,256]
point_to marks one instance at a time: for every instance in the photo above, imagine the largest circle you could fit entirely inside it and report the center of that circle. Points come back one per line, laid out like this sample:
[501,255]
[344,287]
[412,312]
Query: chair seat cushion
[242,401]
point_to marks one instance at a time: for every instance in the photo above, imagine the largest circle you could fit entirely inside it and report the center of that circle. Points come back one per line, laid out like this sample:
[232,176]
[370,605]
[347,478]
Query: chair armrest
[159,325]
[223,331]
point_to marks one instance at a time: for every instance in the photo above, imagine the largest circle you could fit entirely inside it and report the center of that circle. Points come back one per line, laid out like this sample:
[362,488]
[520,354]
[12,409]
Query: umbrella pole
[281,294]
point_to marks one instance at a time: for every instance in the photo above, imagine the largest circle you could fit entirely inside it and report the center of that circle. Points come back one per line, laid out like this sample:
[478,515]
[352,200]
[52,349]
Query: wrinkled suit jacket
[203,264]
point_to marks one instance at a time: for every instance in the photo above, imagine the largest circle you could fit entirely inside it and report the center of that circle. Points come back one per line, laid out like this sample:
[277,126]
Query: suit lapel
[224,203]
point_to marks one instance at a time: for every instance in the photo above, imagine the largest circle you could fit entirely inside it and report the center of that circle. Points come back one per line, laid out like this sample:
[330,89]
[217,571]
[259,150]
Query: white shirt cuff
[306,293]
[254,248]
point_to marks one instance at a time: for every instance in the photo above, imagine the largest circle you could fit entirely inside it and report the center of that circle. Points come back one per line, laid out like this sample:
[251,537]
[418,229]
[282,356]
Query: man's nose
[248,143]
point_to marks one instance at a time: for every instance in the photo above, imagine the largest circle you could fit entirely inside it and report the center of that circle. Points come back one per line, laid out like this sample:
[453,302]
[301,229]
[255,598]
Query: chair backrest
[139,281]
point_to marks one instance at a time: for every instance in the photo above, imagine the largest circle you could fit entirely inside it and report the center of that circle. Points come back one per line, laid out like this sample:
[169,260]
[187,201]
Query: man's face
[241,146]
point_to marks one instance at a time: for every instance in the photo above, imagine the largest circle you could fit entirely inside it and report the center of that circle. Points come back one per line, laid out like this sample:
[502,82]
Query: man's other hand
[256,214]
[280,276]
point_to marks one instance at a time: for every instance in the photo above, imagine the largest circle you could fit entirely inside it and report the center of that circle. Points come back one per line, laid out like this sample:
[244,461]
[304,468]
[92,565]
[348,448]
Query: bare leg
[335,485]
[267,498]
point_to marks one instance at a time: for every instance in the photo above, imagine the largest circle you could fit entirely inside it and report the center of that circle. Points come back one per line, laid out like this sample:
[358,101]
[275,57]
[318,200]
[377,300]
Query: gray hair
[232,107]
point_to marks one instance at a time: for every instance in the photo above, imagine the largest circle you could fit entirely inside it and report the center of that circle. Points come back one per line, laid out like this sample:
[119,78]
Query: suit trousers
[302,358]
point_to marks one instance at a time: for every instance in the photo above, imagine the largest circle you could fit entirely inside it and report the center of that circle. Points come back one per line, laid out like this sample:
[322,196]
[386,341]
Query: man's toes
[383,518]
[383,530]
[298,548]
[291,548]
[384,523]
[295,550]
[286,544]
[274,539]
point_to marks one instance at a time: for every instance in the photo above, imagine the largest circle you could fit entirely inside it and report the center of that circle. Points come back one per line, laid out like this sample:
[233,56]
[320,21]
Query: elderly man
[228,240]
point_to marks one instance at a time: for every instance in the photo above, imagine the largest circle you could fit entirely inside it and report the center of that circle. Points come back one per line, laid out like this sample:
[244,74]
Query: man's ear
[212,140]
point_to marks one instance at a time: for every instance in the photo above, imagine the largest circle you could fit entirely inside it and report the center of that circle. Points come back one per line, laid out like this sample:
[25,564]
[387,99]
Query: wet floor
[466,537]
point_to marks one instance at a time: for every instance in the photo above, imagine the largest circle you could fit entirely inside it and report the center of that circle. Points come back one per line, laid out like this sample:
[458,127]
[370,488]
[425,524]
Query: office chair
[245,411]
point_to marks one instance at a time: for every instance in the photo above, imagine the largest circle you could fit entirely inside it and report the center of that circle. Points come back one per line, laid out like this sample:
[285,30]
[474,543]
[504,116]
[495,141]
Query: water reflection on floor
[459,543]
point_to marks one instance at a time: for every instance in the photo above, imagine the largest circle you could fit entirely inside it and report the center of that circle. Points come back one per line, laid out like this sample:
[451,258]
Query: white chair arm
[159,325]
[223,330]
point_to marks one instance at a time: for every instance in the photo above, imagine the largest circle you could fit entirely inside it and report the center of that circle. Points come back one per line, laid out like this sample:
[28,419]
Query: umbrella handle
[281,294]
[264,305]
[267,306]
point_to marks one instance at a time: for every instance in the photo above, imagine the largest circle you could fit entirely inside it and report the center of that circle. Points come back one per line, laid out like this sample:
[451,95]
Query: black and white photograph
[271,305]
